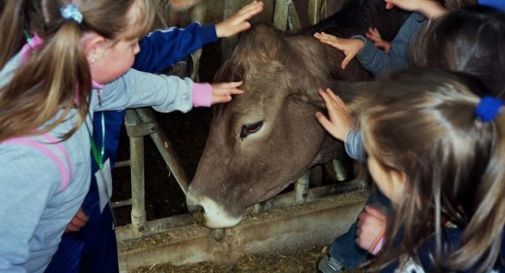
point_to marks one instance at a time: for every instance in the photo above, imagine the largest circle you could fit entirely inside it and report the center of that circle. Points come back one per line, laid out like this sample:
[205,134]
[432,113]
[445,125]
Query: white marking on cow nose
[216,216]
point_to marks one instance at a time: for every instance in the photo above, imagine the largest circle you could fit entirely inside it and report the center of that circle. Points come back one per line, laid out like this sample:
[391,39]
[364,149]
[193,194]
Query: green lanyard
[98,156]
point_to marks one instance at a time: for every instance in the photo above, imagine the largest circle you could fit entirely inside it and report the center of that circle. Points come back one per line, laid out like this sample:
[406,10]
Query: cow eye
[252,128]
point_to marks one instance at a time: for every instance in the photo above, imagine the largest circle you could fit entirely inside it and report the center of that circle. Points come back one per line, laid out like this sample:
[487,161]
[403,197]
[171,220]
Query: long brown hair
[57,74]
[469,40]
[423,123]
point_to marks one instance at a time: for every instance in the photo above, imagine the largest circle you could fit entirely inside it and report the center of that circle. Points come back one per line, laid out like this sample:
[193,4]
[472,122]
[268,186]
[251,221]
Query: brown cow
[265,139]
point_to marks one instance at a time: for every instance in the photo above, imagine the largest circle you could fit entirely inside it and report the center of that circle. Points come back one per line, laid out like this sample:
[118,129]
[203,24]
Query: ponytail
[63,82]
[56,78]
[482,239]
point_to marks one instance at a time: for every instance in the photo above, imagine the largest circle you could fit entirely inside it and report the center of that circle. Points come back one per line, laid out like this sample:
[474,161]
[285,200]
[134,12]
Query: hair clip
[71,12]
[488,108]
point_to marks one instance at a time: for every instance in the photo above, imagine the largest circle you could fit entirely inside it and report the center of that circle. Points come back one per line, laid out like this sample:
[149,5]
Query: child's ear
[94,46]
[398,179]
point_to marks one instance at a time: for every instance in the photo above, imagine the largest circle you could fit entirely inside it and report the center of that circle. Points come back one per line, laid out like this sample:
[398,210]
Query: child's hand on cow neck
[222,92]
[350,47]
[238,22]
[374,35]
[340,120]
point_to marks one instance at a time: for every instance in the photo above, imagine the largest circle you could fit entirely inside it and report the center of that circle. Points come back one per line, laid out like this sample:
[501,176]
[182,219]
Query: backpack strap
[64,167]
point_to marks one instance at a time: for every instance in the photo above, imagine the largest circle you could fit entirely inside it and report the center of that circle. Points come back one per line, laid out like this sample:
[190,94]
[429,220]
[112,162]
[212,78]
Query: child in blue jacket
[90,243]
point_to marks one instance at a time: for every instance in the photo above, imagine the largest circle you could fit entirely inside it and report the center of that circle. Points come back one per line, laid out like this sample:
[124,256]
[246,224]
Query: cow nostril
[198,213]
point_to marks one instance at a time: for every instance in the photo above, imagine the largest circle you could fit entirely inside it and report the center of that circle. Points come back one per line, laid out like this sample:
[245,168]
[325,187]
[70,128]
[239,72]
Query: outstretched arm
[162,48]
[377,61]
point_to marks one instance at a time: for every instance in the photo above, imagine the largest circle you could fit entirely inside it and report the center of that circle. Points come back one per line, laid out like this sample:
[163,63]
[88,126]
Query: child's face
[391,182]
[115,59]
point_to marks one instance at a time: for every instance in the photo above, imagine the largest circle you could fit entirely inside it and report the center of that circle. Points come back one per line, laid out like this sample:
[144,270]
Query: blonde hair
[59,74]
[423,123]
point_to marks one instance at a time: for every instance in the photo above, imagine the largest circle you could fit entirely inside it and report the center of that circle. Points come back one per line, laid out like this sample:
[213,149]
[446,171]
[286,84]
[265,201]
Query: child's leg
[345,250]
[68,256]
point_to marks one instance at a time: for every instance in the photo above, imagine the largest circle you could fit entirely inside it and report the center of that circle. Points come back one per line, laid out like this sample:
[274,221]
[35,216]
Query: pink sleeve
[202,94]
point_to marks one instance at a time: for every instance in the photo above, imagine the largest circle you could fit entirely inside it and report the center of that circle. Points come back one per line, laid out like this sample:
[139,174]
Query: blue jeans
[344,248]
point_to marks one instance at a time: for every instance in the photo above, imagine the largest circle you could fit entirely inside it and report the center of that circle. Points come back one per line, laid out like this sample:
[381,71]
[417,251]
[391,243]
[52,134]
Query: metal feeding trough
[179,240]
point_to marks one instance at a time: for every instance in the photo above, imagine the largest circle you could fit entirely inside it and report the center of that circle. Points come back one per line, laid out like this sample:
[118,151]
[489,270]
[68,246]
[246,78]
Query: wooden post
[293,18]
[138,212]
[314,11]
[302,188]
[281,14]
[165,148]
[198,14]
[228,44]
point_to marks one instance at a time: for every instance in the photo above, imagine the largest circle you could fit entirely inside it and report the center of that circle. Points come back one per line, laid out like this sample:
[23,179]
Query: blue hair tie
[488,108]
[71,12]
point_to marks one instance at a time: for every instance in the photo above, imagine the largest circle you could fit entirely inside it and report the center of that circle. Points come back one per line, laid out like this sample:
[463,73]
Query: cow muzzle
[209,213]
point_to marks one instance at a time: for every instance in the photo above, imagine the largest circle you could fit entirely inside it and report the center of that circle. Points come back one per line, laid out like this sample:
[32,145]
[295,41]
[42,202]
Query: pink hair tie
[31,44]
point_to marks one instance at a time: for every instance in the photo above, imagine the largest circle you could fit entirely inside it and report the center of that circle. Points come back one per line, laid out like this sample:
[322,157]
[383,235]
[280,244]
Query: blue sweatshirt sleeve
[378,62]
[354,145]
[497,4]
[162,48]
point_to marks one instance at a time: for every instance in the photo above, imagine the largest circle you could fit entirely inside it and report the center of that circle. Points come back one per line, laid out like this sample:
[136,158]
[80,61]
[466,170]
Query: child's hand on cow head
[374,35]
[350,47]
[222,92]
[238,22]
[339,121]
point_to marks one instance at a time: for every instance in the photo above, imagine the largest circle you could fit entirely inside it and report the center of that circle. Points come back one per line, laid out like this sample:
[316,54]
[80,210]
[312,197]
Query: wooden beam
[293,18]
[314,11]
[281,14]
[228,44]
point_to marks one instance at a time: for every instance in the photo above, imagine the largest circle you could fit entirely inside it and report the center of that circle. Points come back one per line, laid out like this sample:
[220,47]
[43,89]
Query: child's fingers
[389,4]
[228,84]
[346,61]
[243,26]
[254,5]
[324,121]
[331,42]
[322,35]
[249,11]
[222,99]
[327,101]
[337,100]
[81,215]
[78,222]
[235,91]
[72,228]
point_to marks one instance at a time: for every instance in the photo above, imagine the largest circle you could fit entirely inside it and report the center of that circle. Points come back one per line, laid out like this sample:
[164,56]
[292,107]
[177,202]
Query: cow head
[266,138]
